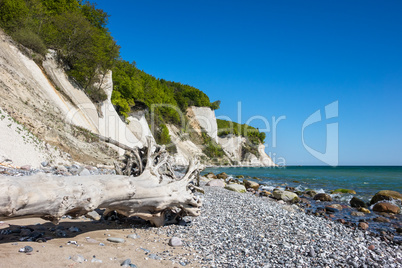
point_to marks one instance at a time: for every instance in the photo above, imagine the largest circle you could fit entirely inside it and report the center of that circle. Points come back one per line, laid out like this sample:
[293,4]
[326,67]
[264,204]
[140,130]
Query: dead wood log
[152,195]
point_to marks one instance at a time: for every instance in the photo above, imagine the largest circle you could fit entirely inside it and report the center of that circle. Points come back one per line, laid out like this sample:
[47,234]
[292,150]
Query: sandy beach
[91,243]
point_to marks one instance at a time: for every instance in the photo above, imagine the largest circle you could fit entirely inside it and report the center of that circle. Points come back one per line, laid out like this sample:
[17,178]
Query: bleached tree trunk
[154,195]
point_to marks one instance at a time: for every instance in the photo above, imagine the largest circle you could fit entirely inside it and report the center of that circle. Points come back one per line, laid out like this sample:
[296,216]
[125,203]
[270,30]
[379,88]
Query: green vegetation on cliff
[76,30]
[252,134]
[132,85]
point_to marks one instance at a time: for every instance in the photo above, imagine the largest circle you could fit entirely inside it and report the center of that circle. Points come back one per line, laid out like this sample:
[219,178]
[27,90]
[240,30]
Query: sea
[365,180]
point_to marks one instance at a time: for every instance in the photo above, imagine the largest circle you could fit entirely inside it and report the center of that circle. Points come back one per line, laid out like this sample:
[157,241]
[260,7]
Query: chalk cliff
[41,99]
[50,106]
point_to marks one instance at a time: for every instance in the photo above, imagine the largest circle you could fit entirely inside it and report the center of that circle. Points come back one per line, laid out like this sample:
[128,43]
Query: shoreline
[233,230]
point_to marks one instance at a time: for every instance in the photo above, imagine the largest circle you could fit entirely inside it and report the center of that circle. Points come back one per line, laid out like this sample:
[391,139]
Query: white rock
[216,183]
[175,242]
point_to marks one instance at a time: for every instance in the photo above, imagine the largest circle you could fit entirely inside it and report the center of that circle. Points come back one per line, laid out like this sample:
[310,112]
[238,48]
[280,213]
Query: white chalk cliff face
[49,105]
[204,117]
[232,146]
[138,125]
[186,149]
[84,113]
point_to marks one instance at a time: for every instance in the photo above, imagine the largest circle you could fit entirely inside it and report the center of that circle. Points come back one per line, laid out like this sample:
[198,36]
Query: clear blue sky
[280,58]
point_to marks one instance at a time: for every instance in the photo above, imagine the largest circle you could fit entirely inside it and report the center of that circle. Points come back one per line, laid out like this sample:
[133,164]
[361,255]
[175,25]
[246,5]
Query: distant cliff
[235,149]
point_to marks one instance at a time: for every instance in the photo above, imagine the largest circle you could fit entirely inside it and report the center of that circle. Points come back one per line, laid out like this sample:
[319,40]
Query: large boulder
[251,184]
[310,193]
[386,207]
[286,196]
[216,183]
[357,203]
[386,195]
[323,197]
[236,188]
[222,176]
[211,175]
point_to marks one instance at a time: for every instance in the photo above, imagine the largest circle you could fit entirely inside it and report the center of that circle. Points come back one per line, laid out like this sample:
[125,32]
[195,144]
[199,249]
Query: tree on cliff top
[76,30]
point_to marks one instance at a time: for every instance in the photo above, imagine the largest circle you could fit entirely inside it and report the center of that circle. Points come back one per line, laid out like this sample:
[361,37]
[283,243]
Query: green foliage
[30,40]
[216,105]
[249,132]
[135,85]
[76,30]
[12,14]
[164,137]
[211,148]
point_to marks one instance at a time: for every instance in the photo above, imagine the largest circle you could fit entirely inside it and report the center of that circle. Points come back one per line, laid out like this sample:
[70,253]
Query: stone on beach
[386,207]
[211,176]
[386,195]
[381,219]
[236,188]
[132,236]
[116,240]
[286,196]
[93,215]
[336,206]
[222,175]
[364,210]
[357,214]
[26,167]
[251,184]
[323,197]
[363,225]
[26,249]
[310,193]
[357,203]
[216,183]
[126,263]
[175,242]
[84,172]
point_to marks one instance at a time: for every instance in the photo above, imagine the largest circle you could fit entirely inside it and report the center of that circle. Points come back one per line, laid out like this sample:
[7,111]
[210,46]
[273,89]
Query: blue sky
[281,58]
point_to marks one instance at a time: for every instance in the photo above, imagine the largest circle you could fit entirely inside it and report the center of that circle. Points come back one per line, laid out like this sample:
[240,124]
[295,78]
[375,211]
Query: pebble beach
[233,230]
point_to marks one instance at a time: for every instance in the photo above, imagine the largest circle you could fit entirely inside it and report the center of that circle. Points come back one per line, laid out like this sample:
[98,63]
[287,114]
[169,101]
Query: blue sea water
[365,180]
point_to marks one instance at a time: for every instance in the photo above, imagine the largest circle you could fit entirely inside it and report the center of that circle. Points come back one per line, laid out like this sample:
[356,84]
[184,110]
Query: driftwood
[155,194]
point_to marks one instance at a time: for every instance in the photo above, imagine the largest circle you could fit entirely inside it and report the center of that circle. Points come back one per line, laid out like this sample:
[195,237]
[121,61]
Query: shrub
[30,40]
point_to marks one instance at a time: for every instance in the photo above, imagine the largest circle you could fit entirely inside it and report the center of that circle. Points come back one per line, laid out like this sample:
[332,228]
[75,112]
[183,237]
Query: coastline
[234,229]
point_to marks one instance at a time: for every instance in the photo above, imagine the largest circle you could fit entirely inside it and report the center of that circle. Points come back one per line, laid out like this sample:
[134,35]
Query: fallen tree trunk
[155,195]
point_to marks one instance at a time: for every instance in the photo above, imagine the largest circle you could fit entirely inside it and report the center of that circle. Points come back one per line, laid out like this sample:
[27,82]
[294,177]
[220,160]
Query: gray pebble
[85,172]
[93,215]
[175,242]
[154,257]
[312,253]
[26,249]
[126,263]
[116,240]
[133,236]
